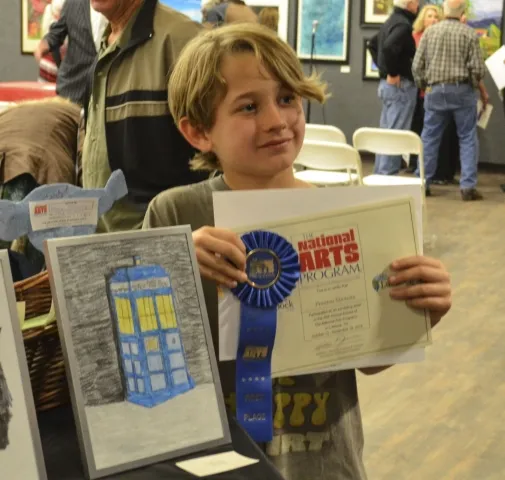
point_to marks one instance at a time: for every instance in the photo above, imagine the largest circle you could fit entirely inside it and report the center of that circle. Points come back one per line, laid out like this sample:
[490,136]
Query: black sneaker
[428,192]
[470,194]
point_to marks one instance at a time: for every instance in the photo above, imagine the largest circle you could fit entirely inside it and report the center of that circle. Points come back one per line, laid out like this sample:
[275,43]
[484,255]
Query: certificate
[496,66]
[341,309]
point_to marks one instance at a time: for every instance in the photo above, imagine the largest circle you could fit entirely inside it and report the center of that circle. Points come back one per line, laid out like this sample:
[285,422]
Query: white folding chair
[390,142]
[324,159]
[324,133]
[393,142]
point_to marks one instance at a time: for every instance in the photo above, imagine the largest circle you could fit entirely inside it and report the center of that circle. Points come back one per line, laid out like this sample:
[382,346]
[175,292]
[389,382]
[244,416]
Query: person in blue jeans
[393,50]
[449,66]
[398,106]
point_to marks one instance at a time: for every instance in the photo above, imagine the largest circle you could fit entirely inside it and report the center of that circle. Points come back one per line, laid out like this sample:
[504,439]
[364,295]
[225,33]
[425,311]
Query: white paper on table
[496,66]
[272,205]
[214,464]
[484,115]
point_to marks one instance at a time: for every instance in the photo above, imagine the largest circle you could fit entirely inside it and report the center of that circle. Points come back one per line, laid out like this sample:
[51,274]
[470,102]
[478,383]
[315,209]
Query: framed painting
[272,13]
[138,349]
[370,69]
[328,24]
[375,12]
[191,8]
[32,12]
[20,447]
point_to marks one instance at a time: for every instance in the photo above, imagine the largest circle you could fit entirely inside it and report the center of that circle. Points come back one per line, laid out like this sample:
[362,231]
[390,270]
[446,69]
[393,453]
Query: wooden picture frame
[32,13]
[283,9]
[375,12]
[138,350]
[332,36]
[20,446]
[370,71]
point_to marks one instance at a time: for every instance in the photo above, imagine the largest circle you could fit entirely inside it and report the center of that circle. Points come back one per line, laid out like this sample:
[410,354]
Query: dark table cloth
[63,461]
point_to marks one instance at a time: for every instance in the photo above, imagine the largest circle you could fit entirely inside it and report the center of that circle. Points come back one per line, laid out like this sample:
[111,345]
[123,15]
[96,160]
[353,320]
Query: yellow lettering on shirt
[300,400]
[282,444]
[282,400]
[286,381]
[319,415]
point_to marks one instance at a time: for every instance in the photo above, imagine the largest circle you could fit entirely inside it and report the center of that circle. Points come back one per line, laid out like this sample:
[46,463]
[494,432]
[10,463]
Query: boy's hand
[221,255]
[433,293]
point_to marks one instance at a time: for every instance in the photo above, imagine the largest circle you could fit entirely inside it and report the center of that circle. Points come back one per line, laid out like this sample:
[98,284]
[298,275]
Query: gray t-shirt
[317,421]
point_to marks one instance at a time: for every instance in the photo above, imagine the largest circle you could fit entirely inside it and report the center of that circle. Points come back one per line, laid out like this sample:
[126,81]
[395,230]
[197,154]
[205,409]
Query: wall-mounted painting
[485,16]
[272,13]
[20,447]
[138,349]
[375,12]
[370,69]
[331,39]
[191,8]
[32,12]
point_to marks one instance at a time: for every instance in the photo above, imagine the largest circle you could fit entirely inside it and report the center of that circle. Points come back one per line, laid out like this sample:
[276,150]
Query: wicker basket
[42,345]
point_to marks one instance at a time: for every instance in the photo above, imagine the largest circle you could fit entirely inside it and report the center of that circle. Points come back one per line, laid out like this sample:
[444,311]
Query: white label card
[214,464]
[70,212]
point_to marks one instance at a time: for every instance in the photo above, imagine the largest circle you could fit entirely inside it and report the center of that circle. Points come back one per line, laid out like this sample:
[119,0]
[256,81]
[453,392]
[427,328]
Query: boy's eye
[250,107]
[288,99]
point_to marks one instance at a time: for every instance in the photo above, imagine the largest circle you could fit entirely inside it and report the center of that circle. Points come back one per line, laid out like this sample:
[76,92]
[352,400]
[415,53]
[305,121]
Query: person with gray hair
[393,50]
[450,67]
[220,12]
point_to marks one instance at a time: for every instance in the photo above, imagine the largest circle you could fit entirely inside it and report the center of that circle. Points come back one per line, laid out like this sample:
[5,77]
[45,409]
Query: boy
[236,95]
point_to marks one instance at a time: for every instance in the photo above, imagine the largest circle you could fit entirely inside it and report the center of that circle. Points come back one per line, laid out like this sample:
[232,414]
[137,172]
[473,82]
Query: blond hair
[197,86]
[419,23]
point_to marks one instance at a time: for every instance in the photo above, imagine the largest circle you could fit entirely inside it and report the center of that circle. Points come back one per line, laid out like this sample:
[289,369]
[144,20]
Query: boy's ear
[196,136]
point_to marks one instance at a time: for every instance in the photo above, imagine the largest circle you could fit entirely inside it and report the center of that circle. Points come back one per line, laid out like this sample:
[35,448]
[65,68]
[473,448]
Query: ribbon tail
[254,372]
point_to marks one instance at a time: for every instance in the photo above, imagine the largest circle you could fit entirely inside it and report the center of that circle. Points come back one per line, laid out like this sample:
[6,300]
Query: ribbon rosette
[273,269]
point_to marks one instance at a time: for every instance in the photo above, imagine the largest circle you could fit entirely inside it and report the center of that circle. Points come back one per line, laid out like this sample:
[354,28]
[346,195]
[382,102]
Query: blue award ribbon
[273,269]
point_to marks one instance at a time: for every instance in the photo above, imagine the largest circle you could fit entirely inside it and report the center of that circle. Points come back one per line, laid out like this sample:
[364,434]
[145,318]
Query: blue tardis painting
[149,342]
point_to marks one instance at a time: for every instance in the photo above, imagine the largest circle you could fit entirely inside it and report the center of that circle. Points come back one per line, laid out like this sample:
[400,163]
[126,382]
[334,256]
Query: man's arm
[392,49]
[484,96]
[419,64]
[476,65]
[373,48]
[55,38]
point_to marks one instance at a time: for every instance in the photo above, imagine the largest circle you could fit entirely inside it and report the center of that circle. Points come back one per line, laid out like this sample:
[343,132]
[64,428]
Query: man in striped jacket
[82,28]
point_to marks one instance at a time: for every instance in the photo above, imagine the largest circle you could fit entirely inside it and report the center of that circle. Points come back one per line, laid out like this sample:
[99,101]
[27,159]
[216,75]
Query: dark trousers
[448,155]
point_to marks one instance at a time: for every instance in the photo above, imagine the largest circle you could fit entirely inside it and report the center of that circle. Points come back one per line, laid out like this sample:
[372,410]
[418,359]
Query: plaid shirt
[449,52]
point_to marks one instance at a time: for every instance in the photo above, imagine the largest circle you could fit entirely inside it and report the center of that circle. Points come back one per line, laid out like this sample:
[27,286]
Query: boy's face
[259,125]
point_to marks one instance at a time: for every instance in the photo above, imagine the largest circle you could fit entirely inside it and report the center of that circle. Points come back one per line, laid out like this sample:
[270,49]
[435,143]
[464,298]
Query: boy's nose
[273,118]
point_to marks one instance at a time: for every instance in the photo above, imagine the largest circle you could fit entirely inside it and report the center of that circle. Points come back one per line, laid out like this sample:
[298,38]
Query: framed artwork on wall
[271,10]
[32,13]
[20,447]
[138,349]
[331,40]
[375,12]
[370,69]
[191,8]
